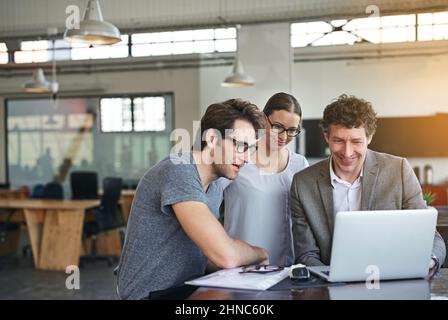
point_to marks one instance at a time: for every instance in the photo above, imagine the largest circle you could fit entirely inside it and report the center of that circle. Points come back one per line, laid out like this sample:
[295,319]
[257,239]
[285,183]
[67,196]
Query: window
[141,44]
[39,149]
[116,114]
[149,114]
[82,51]
[33,51]
[61,50]
[43,50]
[3,53]
[432,26]
[133,114]
[387,29]
[183,42]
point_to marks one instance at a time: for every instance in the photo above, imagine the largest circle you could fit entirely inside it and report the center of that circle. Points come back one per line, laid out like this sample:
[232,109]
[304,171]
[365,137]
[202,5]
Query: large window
[133,114]
[33,51]
[81,51]
[43,50]
[116,115]
[386,29]
[141,44]
[182,42]
[433,26]
[3,53]
[149,114]
[43,141]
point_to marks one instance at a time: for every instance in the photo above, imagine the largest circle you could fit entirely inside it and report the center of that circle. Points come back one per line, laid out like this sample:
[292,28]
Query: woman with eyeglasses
[256,204]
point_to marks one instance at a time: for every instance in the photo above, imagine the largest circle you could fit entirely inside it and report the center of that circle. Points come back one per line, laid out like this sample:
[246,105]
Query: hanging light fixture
[38,84]
[93,29]
[54,88]
[238,78]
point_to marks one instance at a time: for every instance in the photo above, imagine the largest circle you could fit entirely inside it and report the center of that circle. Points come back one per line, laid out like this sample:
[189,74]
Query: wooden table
[126,198]
[399,289]
[12,194]
[55,229]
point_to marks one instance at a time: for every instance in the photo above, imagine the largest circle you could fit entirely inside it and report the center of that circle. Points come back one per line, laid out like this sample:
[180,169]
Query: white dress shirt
[346,196]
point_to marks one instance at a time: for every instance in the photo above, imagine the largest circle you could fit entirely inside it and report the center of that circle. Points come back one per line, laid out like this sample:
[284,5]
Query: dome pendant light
[238,78]
[38,84]
[93,29]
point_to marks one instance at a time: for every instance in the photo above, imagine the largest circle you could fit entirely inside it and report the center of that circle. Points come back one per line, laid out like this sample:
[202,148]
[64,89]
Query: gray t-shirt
[157,253]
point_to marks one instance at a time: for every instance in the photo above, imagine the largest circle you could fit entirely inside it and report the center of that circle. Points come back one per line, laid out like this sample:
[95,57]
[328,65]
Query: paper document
[232,278]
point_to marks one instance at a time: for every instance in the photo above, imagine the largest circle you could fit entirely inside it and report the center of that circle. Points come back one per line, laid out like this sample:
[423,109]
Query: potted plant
[429,197]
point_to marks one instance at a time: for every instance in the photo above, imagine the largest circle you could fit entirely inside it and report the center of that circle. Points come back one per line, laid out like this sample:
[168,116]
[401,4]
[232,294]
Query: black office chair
[9,240]
[84,185]
[53,191]
[38,191]
[107,216]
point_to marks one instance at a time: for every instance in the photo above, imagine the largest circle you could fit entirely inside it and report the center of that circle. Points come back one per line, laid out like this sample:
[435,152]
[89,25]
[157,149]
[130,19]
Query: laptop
[383,244]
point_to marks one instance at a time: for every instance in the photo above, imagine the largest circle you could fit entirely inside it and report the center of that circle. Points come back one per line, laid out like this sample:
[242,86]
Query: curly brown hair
[349,112]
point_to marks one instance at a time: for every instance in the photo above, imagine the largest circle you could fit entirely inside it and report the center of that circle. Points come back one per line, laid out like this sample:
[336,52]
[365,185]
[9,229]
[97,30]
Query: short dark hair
[349,112]
[282,101]
[222,117]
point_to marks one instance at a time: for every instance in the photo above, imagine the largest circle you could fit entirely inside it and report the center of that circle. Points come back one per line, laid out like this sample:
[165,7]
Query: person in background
[256,204]
[173,227]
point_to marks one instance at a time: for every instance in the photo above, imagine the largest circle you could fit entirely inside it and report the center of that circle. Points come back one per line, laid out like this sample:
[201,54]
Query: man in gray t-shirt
[173,228]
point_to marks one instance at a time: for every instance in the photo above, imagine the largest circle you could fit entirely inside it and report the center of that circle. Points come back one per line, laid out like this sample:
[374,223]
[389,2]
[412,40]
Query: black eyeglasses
[260,269]
[277,127]
[242,147]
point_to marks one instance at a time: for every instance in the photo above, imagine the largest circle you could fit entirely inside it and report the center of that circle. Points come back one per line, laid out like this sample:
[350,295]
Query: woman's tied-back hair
[282,101]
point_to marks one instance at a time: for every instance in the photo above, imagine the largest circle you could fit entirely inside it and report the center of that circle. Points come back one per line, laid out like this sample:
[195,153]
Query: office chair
[9,241]
[84,185]
[53,191]
[25,191]
[38,191]
[106,217]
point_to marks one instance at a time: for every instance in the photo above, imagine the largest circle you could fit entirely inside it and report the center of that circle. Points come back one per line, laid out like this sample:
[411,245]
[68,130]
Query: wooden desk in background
[126,198]
[12,194]
[55,229]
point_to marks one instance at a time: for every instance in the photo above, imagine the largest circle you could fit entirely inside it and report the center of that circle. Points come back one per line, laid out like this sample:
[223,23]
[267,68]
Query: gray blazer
[388,183]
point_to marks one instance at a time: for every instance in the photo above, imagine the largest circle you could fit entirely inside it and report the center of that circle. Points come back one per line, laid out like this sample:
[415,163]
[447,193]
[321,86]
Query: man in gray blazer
[352,178]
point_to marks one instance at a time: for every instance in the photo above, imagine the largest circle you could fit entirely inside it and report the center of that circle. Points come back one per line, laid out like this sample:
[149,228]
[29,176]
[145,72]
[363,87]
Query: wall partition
[115,136]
